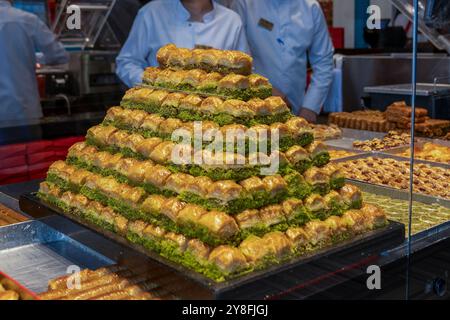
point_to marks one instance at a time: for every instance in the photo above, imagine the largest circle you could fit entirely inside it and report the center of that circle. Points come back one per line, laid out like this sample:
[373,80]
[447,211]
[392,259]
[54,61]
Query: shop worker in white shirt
[283,36]
[187,24]
[21,35]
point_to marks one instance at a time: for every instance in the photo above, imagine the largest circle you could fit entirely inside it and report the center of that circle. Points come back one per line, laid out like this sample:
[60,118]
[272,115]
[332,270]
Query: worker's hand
[280,94]
[38,66]
[309,115]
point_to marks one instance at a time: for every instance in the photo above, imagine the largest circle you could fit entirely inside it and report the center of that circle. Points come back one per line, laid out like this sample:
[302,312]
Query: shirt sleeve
[132,59]
[241,40]
[52,50]
[321,59]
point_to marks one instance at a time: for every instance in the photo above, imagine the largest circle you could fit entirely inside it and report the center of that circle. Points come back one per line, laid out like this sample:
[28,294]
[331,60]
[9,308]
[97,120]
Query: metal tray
[404,195]
[390,156]
[397,153]
[33,253]
[351,135]
[259,284]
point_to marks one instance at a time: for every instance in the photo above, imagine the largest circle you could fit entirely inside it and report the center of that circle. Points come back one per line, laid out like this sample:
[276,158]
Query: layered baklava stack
[218,211]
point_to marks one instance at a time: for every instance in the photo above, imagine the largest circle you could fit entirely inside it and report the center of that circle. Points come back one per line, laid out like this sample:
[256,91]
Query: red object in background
[337,37]
[41,85]
[12,162]
[13,150]
[51,10]
[39,146]
[28,161]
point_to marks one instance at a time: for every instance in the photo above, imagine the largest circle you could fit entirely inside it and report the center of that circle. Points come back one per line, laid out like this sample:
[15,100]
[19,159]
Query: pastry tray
[397,153]
[33,253]
[11,284]
[404,195]
[260,284]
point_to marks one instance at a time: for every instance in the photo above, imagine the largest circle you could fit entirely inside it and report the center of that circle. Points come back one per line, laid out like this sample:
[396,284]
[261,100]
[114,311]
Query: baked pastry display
[212,60]
[431,152]
[370,120]
[191,107]
[324,132]
[391,140]
[116,283]
[339,154]
[433,181]
[424,216]
[8,216]
[210,206]
[400,114]
[231,86]
[11,290]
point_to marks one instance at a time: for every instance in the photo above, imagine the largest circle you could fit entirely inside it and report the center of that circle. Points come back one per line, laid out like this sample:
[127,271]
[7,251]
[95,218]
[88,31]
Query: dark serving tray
[310,272]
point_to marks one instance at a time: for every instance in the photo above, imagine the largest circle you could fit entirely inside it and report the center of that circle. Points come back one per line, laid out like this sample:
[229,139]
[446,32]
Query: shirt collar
[184,15]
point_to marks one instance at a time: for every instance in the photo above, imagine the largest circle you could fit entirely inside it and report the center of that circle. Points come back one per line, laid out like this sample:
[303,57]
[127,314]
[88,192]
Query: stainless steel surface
[94,71]
[33,253]
[363,71]
[423,89]
[351,135]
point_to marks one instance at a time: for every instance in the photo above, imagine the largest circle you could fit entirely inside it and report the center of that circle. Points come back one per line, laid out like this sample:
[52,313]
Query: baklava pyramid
[219,218]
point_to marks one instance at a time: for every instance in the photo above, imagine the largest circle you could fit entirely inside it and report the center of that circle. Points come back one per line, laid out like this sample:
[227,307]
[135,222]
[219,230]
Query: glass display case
[254,162]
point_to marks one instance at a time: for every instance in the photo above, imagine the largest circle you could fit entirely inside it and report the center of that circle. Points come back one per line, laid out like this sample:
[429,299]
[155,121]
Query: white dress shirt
[21,35]
[298,32]
[167,21]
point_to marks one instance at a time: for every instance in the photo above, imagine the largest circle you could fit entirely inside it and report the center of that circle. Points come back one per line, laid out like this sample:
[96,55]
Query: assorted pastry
[370,120]
[116,283]
[429,151]
[324,132]
[219,212]
[339,154]
[211,60]
[295,131]
[391,140]
[216,165]
[430,180]
[191,107]
[224,261]
[230,86]
[424,216]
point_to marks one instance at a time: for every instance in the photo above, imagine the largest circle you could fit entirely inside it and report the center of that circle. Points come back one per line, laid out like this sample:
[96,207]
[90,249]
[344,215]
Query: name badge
[266,24]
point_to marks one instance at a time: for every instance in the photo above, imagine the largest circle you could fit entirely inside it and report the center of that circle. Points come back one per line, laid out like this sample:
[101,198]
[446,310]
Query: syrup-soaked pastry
[153,204]
[154,232]
[225,190]
[219,223]
[228,259]
[259,107]
[274,184]
[255,248]
[272,215]
[178,239]
[248,219]
[211,105]
[278,243]
[200,250]
[253,185]
[157,176]
[318,232]
[191,213]
[276,105]
[199,186]
[162,153]
[315,203]
[234,81]
[298,237]
[171,208]
[291,207]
